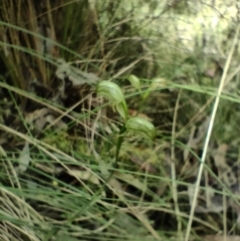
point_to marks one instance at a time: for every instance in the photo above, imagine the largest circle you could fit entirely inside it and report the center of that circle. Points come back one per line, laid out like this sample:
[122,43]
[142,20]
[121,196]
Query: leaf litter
[42,116]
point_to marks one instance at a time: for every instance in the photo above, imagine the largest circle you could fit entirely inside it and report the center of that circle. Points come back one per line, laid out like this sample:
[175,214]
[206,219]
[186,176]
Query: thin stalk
[208,136]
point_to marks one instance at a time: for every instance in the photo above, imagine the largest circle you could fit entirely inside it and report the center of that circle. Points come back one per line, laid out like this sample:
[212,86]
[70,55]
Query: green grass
[91,182]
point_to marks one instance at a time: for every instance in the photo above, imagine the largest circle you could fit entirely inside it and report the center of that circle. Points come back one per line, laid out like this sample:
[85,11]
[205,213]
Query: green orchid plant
[113,93]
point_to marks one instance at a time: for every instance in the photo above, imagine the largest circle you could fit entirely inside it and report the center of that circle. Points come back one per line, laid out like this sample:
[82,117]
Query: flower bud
[134,80]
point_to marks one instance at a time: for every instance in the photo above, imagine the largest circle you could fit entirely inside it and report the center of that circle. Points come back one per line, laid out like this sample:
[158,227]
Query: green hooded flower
[141,126]
[113,93]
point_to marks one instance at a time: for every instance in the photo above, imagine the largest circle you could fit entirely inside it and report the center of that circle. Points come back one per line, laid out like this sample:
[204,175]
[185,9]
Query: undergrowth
[73,165]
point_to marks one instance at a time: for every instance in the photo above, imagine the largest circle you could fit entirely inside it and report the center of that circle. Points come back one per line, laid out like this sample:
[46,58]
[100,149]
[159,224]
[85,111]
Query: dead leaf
[104,167]
[190,144]
[40,123]
[193,141]
[115,184]
[213,202]
[74,75]
[59,124]
[24,158]
[219,156]
[84,175]
[131,180]
[224,170]
[45,46]
[143,164]
[39,118]
[210,72]
[202,129]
